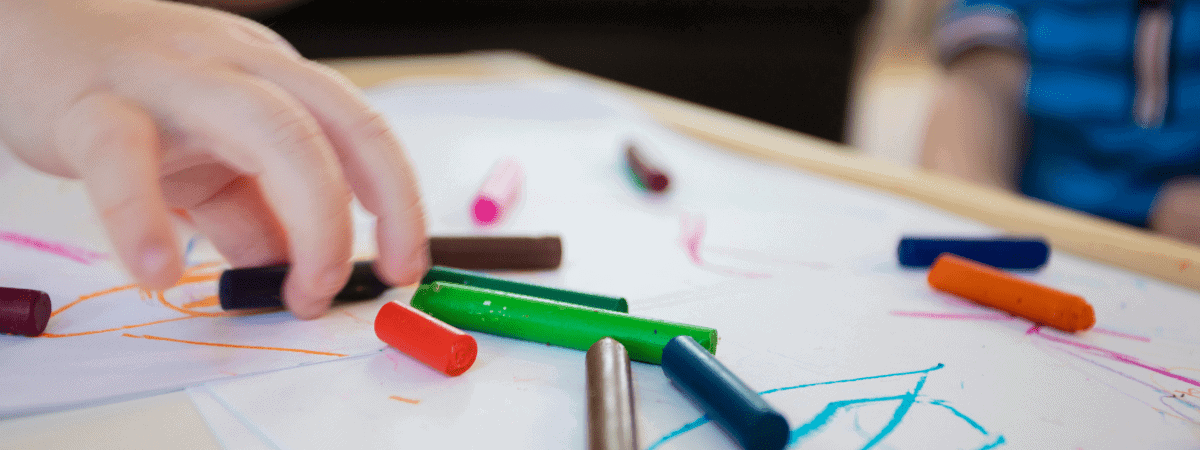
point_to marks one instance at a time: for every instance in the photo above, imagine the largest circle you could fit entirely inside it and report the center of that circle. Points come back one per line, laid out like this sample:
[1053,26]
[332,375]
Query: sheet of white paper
[796,272]
[232,432]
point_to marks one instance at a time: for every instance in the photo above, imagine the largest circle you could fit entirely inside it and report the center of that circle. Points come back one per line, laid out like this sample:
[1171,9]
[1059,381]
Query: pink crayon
[498,193]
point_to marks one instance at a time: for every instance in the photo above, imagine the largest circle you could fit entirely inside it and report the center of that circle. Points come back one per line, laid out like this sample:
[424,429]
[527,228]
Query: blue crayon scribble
[187,251]
[684,429]
[999,442]
[931,369]
[960,415]
[821,419]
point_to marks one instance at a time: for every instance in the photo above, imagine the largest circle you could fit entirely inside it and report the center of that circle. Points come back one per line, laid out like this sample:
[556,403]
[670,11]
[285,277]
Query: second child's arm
[976,128]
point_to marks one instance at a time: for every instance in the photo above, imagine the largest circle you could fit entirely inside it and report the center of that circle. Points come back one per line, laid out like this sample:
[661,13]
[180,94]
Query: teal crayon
[464,277]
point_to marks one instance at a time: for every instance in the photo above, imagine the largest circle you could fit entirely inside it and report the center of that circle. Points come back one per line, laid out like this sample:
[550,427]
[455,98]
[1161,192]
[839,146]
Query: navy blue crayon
[262,287]
[1004,253]
[739,411]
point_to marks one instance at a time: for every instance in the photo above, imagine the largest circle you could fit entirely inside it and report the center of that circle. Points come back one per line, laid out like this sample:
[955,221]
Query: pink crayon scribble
[78,254]
[1090,350]
[395,357]
[757,256]
[934,315]
[1001,317]
[691,234]
[1120,334]
[1061,357]
[1109,354]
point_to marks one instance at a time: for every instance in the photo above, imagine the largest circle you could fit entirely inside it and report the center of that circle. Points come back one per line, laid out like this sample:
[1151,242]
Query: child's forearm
[975,129]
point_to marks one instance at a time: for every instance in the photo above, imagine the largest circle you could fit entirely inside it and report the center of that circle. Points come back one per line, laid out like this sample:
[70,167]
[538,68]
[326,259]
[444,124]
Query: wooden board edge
[1092,237]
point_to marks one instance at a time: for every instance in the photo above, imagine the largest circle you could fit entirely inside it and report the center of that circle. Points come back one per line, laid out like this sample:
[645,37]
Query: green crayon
[439,273]
[556,323]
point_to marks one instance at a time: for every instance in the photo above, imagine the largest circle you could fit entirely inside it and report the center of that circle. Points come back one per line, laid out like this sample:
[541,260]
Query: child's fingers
[113,145]
[258,128]
[372,157]
[238,222]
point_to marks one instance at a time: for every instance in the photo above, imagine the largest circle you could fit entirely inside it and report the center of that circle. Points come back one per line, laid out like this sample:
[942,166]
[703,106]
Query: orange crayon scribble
[352,316]
[202,266]
[211,300]
[248,347]
[126,327]
[91,296]
[1192,392]
[163,300]
[405,400]
[190,276]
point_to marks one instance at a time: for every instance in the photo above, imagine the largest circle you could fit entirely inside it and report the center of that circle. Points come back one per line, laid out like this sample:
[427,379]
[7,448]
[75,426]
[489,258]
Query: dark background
[783,62]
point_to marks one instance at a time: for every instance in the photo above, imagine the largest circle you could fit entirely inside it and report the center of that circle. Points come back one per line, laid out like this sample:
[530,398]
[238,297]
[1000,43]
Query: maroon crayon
[645,174]
[23,311]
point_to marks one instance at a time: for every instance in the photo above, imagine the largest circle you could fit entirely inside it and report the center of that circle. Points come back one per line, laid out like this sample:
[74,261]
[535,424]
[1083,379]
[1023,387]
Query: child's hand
[158,105]
[1176,210]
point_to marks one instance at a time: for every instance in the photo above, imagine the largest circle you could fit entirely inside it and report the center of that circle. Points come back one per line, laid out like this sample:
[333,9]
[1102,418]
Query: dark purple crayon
[262,287]
[644,173]
[23,311]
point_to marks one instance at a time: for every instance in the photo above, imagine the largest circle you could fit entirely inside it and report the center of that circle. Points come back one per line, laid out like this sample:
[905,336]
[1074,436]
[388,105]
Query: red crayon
[645,174]
[429,340]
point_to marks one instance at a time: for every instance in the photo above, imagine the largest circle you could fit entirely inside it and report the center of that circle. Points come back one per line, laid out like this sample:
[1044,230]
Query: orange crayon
[992,287]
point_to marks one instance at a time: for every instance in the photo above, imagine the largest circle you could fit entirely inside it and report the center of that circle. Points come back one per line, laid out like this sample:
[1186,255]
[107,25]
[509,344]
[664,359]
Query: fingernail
[411,269]
[313,311]
[155,260]
[331,283]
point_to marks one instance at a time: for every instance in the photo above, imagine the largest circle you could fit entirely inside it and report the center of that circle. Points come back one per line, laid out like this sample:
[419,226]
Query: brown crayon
[496,253]
[611,421]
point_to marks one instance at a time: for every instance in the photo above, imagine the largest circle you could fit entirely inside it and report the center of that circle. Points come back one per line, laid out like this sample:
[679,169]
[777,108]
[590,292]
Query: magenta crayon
[499,192]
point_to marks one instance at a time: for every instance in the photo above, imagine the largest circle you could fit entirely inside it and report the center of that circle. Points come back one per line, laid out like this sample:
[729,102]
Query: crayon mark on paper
[248,347]
[692,229]
[405,400]
[191,275]
[967,316]
[77,254]
[126,327]
[815,424]
[1109,354]
[1090,354]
